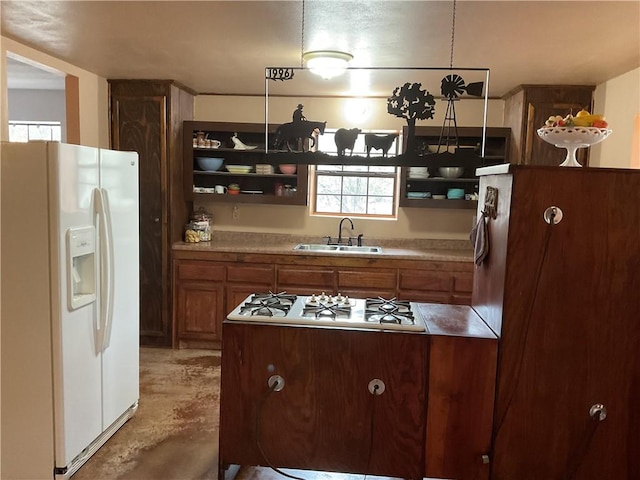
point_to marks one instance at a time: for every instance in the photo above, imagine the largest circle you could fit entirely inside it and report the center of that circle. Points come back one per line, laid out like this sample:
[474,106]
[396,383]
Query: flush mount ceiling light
[327,63]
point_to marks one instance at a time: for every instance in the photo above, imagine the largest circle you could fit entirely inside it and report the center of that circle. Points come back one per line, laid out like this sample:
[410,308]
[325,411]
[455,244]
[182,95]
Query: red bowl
[288,169]
[233,192]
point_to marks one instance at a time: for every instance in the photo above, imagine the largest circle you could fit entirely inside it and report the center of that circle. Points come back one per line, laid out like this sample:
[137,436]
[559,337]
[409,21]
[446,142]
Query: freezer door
[73,176]
[120,357]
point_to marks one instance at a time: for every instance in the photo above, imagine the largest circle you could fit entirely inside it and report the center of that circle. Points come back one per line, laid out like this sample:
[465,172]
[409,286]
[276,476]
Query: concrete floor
[174,433]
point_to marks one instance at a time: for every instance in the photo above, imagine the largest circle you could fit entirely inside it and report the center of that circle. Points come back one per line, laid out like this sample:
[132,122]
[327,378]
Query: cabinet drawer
[310,277]
[188,270]
[255,274]
[425,280]
[367,278]
[463,282]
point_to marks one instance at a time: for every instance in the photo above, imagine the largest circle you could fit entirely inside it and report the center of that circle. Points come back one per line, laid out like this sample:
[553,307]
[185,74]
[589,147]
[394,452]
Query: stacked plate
[418,172]
[264,169]
[238,169]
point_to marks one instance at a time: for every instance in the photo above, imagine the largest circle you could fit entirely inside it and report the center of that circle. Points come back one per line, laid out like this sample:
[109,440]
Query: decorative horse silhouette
[299,132]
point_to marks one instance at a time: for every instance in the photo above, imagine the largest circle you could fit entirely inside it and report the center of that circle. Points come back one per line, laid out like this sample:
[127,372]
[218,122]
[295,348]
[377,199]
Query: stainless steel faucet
[340,230]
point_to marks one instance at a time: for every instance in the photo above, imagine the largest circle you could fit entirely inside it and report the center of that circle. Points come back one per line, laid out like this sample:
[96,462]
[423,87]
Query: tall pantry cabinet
[146,117]
[527,107]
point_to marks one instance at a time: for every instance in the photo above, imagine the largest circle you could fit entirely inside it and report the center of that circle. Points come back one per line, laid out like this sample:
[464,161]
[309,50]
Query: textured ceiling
[223,47]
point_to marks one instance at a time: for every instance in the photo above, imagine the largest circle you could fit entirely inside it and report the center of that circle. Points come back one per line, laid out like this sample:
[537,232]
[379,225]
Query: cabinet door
[539,152]
[198,302]
[324,418]
[139,124]
[526,110]
[201,307]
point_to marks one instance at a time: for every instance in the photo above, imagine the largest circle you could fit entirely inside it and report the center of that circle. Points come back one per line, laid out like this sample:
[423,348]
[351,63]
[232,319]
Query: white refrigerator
[69,304]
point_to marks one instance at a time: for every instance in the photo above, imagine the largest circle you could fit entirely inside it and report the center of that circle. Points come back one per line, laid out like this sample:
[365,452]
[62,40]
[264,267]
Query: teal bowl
[455,193]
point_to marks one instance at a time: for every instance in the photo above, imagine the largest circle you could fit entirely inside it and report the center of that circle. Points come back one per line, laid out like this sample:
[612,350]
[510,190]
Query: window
[25,131]
[355,190]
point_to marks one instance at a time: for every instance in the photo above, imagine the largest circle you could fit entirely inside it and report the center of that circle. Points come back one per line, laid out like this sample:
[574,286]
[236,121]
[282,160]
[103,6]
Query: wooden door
[539,152]
[139,124]
[324,418]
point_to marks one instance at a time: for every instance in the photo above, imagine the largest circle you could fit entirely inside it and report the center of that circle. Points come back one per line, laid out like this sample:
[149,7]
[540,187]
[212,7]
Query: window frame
[315,174]
[30,123]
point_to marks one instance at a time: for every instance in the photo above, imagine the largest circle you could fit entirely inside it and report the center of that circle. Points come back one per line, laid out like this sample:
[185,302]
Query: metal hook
[598,410]
[553,214]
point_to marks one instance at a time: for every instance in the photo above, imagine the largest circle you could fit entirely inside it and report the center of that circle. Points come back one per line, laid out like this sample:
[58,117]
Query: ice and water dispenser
[81,266]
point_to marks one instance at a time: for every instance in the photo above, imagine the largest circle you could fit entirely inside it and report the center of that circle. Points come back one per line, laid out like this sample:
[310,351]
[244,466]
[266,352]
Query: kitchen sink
[337,248]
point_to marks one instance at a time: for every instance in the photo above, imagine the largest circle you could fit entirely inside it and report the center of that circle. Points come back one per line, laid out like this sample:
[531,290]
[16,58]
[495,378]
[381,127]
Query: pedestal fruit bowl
[572,138]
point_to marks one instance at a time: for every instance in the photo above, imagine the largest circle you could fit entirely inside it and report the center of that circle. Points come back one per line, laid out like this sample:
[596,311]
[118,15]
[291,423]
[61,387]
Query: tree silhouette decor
[411,103]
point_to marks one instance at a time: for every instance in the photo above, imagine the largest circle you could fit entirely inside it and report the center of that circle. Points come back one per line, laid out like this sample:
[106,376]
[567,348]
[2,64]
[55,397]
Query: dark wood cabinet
[230,278]
[562,297]
[325,417]
[419,192]
[527,108]
[453,285]
[270,186]
[146,117]
[206,291]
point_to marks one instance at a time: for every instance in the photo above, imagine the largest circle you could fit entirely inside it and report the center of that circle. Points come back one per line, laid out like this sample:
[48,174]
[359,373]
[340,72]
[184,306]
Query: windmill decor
[452,87]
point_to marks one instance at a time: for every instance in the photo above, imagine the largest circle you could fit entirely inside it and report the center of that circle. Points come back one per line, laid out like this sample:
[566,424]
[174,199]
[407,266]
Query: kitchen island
[211,278]
[370,398]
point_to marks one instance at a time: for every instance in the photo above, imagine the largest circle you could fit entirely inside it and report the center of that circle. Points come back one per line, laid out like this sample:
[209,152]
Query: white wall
[94,117]
[619,100]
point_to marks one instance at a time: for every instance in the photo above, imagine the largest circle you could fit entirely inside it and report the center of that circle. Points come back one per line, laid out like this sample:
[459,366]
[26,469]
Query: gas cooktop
[329,310]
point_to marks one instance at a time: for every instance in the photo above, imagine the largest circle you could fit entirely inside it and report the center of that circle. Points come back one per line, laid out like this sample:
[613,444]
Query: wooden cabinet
[146,117]
[355,282]
[462,372]
[325,417]
[436,286]
[306,280]
[527,108]
[370,282]
[205,292]
[563,299]
[256,186]
[199,295]
[230,278]
[243,280]
[469,156]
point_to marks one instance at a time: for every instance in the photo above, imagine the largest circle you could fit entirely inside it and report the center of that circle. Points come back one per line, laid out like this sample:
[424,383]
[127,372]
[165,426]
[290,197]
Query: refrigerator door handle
[107,270]
[105,261]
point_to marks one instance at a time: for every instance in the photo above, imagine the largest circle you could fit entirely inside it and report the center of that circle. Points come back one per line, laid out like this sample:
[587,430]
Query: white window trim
[395,196]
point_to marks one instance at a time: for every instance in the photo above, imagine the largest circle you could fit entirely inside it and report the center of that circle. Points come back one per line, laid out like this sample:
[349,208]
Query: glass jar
[201,222]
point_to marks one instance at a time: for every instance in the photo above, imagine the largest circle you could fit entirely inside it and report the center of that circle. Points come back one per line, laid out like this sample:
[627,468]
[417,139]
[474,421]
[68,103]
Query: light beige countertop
[281,244]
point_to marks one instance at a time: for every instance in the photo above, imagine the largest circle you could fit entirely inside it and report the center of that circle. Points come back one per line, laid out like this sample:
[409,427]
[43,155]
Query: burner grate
[321,309]
[382,310]
[268,304]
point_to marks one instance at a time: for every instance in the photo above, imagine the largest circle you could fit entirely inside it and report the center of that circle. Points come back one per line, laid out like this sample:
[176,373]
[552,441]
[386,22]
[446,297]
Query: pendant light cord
[302,39]
[453,31]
